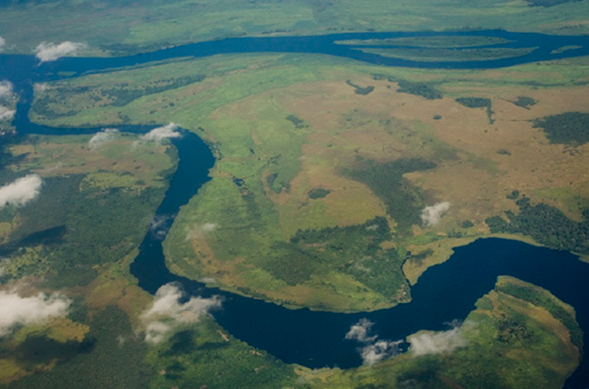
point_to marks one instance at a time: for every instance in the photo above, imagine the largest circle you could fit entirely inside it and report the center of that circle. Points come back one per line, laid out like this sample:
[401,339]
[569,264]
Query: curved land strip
[314,156]
[429,41]
[444,54]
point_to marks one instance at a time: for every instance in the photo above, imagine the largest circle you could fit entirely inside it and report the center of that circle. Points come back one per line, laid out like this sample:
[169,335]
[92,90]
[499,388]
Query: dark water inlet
[316,339]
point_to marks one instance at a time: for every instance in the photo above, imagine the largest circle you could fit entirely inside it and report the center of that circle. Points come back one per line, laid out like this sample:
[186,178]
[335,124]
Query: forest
[355,250]
[546,224]
[569,128]
[403,200]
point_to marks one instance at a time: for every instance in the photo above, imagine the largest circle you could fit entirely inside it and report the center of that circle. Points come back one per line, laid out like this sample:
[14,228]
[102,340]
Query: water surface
[316,339]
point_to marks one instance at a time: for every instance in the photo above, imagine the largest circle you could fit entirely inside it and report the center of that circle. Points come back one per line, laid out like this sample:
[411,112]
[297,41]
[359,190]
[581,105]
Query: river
[316,339]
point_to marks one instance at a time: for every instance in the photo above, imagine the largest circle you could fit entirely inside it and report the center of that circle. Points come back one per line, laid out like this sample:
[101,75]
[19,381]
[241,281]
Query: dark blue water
[316,339]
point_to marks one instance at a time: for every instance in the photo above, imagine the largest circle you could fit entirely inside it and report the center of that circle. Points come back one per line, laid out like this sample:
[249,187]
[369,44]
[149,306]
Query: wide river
[316,339]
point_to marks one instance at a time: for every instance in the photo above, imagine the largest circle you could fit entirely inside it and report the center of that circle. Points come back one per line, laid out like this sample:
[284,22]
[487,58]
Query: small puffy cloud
[41,87]
[167,310]
[6,113]
[360,331]
[160,225]
[197,230]
[208,227]
[379,350]
[431,215]
[5,89]
[156,332]
[47,52]
[373,350]
[102,137]
[16,310]
[160,133]
[21,191]
[436,342]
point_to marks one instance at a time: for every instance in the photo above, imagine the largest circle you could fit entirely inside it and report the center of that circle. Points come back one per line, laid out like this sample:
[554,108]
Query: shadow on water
[316,339]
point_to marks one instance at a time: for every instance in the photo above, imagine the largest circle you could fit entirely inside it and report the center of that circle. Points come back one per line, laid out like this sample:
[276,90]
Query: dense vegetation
[52,104]
[548,302]
[318,193]
[354,250]
[204,356]
[525,102]
[79,229]
[440,54]
[429,41]
[474,102]
[291,264]
[422,89]
[73,226]
[477,102]
[296,121]
[507,346]
[549,3]
[403,201]
[569,128]
[100,362]
[546,224]
[359,89]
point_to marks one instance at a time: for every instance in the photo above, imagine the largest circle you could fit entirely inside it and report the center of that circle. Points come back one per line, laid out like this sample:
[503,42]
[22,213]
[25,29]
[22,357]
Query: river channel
[316,339]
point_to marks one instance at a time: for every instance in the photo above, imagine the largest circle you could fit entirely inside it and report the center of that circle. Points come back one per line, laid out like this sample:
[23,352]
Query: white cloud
[2,44]
[373,350]
[5,89]
[160,133]
[379,350]
[360,331]
[167,310]
[102,137]
[436,342]
[21,191]
[16,310]
[431,215]
[41,87]
[6,113]
[208,227]
[197,230]
[47,52]
[160,225]
[156,332]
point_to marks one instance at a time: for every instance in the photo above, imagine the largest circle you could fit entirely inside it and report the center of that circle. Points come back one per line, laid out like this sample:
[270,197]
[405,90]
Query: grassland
[116,27]
[285,126]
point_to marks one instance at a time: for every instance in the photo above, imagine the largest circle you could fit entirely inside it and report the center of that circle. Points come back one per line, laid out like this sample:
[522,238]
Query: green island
[336,185]
[445,54]
[430,41]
